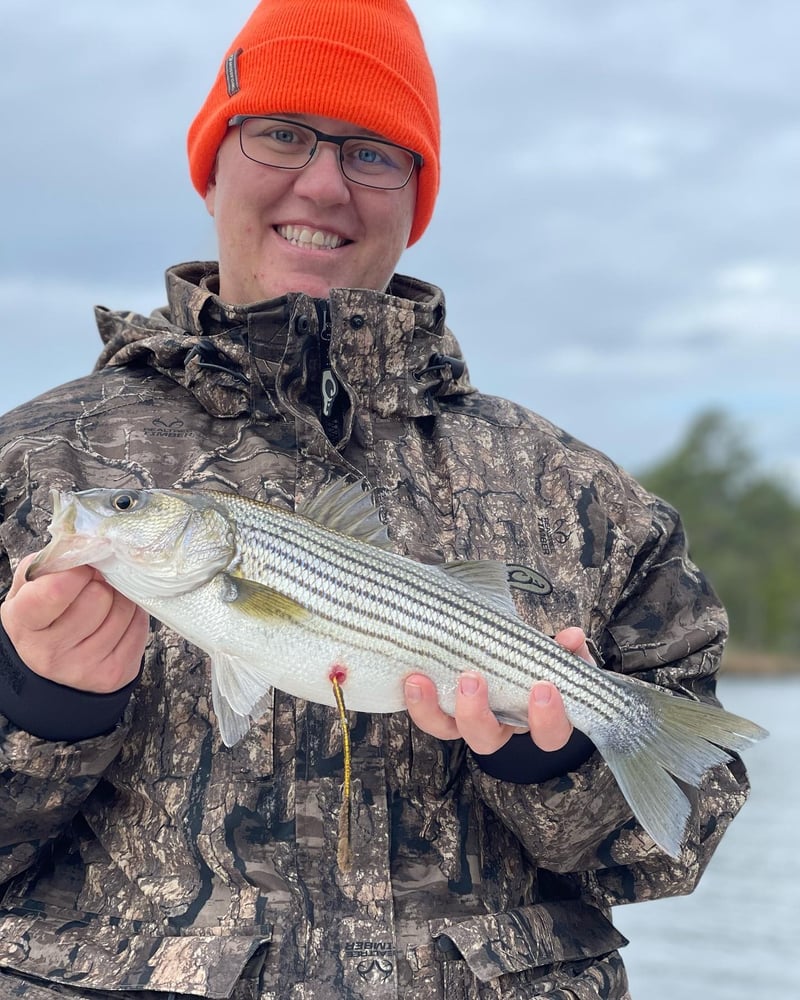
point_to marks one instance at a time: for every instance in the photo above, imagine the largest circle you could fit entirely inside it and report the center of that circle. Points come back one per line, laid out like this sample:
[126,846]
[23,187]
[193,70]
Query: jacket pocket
[529,937]
[107,955]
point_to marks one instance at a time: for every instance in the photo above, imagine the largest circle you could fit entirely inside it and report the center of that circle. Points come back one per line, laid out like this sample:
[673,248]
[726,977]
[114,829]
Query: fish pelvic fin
[240,692]
[232,725]
[677,739]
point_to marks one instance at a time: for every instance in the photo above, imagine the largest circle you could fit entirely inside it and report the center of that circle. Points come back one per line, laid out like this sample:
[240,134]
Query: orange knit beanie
[362,61]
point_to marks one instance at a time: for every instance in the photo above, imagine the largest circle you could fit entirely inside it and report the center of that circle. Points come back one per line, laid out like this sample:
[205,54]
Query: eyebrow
[301,117]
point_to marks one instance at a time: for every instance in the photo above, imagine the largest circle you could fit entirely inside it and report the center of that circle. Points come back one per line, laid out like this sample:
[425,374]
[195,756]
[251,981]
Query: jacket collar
[391,351]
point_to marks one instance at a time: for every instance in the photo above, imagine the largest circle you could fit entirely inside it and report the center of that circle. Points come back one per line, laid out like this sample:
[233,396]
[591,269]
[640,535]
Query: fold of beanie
[361,61]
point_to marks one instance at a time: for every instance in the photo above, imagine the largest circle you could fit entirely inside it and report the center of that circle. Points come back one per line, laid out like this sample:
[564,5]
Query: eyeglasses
[290,145]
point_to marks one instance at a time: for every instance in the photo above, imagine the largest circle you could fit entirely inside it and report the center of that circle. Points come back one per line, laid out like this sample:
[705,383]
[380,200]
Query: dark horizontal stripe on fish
[341,555]
[318,562]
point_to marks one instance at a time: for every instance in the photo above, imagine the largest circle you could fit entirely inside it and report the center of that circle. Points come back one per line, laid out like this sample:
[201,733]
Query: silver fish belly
[293,601]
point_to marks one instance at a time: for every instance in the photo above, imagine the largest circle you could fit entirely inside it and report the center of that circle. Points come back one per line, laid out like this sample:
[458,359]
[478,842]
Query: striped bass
[300,601]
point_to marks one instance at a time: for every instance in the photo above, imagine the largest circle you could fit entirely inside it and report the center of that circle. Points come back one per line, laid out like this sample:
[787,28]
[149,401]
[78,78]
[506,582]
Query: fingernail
[468,685]
[542,694]
[413,692]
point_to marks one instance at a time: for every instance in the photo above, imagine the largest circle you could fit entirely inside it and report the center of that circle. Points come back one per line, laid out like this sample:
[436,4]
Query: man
[140,857]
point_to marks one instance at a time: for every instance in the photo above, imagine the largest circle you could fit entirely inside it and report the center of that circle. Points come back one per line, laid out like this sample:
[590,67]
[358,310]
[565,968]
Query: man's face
[306,230]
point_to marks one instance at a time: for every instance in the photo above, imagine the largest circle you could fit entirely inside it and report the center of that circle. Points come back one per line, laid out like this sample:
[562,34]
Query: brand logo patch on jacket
[530,580]
[375,959]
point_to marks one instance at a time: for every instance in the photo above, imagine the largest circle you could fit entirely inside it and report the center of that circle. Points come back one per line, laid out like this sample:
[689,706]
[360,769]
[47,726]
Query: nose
[322,179]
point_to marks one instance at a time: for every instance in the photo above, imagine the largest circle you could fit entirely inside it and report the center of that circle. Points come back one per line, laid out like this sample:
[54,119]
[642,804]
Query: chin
[313,285]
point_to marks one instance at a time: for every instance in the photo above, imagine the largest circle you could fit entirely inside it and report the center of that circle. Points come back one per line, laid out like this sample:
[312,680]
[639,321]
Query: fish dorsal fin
[489,577]
[348,508]
[259,601]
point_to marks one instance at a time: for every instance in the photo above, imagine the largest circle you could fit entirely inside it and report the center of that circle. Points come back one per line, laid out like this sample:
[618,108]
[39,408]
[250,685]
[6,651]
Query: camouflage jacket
[154,861]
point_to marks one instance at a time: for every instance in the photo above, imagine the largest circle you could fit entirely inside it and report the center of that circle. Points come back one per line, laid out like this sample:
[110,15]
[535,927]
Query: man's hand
[474,721]
[74,629]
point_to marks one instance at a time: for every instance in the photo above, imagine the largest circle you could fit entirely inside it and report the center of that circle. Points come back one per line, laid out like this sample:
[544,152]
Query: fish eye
[124,501]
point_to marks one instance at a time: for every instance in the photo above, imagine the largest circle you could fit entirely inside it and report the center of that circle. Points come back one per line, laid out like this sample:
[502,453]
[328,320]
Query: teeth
[303,237]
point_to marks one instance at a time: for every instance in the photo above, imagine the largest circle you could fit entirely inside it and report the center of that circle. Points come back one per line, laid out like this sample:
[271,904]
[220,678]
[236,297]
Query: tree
[743,527]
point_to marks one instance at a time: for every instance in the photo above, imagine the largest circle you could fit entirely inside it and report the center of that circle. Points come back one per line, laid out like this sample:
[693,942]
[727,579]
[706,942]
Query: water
[736,937]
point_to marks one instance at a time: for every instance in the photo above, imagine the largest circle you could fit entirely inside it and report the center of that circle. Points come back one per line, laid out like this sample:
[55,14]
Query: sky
[616,232]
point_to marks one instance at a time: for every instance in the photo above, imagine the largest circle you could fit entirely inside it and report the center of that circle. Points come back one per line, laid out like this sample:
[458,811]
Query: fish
[314,602]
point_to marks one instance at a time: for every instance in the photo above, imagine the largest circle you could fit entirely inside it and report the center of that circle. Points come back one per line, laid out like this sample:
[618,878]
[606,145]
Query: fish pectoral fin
[259,601]
[489,577]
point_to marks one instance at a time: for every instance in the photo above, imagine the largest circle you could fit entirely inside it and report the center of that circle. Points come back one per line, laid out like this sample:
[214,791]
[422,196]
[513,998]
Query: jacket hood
[226,354]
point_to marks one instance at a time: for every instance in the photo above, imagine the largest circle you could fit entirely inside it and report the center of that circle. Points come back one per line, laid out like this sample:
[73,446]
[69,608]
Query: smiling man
[140,858]
[330,216]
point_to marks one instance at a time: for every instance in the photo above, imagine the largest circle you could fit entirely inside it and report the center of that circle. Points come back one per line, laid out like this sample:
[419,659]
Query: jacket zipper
[330,413]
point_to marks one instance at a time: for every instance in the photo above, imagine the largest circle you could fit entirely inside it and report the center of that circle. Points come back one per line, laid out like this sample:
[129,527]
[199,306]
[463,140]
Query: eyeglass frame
[337,140]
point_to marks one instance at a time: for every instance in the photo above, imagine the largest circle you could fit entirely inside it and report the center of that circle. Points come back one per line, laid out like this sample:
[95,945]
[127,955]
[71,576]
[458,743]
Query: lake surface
[737,937]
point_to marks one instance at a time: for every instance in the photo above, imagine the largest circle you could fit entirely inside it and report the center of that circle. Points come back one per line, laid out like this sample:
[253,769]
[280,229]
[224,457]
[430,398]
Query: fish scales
[275,597]
[317,578]
[315,561]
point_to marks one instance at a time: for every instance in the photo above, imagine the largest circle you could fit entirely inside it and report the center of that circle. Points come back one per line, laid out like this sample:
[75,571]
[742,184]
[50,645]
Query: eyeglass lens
[278,143]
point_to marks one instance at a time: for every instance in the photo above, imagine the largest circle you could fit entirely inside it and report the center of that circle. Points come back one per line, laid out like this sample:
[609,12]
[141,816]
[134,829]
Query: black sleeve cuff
[523,763]
[53,711]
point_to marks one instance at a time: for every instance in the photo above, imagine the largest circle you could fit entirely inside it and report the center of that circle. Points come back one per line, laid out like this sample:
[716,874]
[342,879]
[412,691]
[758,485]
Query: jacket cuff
[522,762]
[53,711]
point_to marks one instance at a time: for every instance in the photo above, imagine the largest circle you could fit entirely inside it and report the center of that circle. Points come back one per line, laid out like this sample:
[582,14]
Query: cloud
[616,229]
[49,334]
[749,306]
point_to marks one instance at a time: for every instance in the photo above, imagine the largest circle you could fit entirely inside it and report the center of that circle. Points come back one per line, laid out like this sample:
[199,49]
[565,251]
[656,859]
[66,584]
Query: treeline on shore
[743,527]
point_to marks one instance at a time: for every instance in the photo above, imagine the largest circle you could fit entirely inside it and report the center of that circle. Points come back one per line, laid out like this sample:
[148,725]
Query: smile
[315,239]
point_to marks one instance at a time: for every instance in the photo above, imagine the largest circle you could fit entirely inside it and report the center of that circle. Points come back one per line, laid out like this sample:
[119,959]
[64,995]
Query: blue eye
[282,135]
[368,155]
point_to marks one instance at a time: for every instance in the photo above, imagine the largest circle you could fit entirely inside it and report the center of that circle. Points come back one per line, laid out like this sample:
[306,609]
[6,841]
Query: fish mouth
[66,553]
[66,548]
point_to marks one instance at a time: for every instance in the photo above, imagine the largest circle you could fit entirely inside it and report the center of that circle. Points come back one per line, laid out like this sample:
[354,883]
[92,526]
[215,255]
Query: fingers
[474,721]
[550,727]
[423,707]
[36,604]
[115,646]
[74,629]
[574,639]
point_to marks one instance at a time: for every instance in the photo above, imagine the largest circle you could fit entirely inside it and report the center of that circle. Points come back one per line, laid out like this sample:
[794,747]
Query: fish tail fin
[675,738]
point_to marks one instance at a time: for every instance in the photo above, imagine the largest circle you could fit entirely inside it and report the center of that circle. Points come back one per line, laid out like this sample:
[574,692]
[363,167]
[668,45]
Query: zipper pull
[330,390]
[329,384]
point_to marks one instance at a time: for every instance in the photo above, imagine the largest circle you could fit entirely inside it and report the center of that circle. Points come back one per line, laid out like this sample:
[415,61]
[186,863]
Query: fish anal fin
[487,576]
